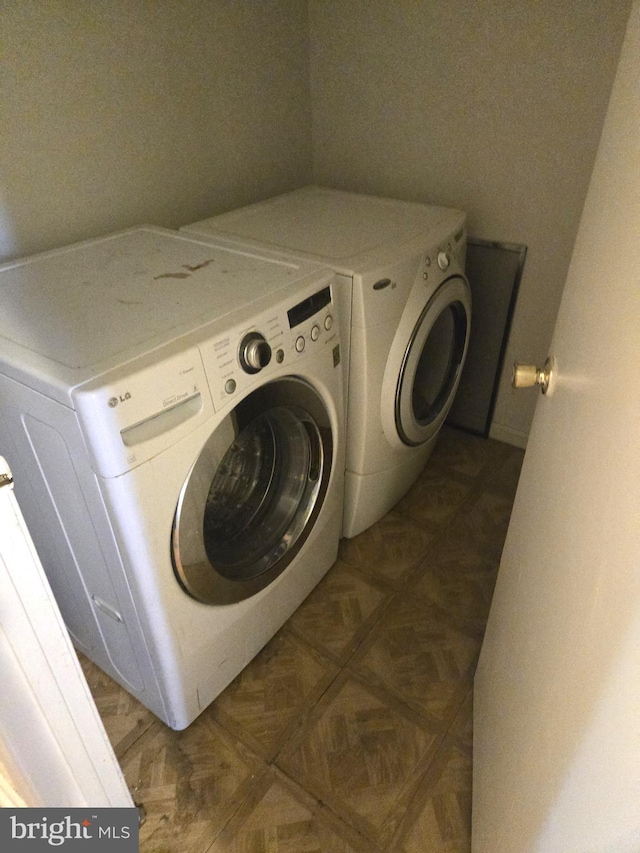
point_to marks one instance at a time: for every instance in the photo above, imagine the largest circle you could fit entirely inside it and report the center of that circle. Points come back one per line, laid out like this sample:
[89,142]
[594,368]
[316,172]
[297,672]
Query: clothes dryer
[401,280]
[173,415]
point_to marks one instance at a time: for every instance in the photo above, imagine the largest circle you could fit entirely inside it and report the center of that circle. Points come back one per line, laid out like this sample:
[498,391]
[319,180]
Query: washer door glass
[252,497]
[432,362]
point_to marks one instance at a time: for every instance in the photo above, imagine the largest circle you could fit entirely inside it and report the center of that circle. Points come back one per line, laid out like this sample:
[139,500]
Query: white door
[54,750]
[557,698]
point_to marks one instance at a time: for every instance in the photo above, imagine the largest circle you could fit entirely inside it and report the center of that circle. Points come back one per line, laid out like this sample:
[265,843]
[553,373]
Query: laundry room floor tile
[462,589]
[352,731]
[480,527]
[439,818]
[504,479]
[417,655]
[363,755]
[389,550]
[340,611]
[123,717]
[435,498]
[462,726]
[265,702]
[190,783]
[458,452]
[281,817]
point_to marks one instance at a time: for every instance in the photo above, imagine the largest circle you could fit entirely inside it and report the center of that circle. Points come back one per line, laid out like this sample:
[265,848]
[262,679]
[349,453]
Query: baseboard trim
[508,435]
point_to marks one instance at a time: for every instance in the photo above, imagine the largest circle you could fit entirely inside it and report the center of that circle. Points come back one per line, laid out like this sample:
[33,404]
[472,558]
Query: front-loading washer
[406,306]
[173,415]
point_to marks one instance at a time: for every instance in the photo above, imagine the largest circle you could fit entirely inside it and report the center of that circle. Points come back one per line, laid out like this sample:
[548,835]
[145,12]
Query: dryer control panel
[381,296]
[281,336]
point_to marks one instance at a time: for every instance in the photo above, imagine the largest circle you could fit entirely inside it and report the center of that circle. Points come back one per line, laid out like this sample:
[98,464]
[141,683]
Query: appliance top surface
[94,302]
[335,227]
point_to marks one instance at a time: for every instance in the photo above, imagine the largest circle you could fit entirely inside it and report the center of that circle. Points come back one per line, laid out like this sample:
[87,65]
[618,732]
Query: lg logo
[113,401]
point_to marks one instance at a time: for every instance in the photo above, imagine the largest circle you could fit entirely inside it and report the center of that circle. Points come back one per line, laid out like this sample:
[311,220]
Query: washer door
[432,362]
[254,493]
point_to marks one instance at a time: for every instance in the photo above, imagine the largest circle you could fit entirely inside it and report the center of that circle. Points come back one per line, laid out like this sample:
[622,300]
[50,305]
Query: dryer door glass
[433,362]
[253,496]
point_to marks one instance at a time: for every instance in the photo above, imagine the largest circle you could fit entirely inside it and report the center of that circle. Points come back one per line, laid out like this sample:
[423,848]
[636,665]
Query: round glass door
[432,362]
[254,493]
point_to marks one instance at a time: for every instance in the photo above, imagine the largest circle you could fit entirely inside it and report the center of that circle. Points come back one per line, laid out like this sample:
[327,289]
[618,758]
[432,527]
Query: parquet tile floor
[351,731]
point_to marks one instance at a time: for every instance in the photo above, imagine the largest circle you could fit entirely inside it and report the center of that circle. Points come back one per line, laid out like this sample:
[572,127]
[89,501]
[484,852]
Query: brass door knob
[528,375]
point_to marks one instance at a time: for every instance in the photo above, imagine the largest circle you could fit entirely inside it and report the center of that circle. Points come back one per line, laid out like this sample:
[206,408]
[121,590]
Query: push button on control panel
[328,322]
[443,260]
[315,333]
[300,344]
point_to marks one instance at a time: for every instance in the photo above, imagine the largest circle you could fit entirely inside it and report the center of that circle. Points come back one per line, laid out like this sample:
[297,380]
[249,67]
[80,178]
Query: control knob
[254,352]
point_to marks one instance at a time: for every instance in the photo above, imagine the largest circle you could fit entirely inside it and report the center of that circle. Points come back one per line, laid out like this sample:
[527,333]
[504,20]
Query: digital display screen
[308,307]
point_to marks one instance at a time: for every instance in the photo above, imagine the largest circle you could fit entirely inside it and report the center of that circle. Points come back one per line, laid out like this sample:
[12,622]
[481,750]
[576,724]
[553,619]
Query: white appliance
[400,271]
[173,414]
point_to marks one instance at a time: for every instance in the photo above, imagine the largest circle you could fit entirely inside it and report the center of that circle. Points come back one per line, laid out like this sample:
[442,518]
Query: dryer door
[254,493]
[432,362]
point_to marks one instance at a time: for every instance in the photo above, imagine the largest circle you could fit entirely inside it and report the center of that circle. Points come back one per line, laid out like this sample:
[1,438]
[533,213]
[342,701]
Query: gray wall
[493,106]
[117,112]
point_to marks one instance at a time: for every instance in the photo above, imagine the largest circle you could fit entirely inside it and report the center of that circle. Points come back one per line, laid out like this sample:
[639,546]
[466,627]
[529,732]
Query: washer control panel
[439,259]
[254,352]
[278,337]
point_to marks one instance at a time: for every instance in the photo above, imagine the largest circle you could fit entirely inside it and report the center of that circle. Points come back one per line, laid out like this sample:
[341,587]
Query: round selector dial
[254,352]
